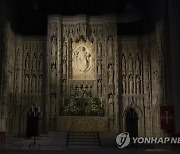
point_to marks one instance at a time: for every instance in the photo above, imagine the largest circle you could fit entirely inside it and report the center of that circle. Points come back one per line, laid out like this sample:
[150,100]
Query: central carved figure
[82,58]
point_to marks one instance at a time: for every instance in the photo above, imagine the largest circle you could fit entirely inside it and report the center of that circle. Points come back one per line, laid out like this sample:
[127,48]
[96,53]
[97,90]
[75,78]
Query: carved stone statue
[138,66]
[111,105]
[82,59]
[131,85]
[123,64]
[34,61]
[104,90]
[138,85]
[33,84]
[110,73]
[124,84]
[26,84]
[27,61]
[40,62]
[99,67]
[155,80]
[99,87]
[110,50]
[53,45]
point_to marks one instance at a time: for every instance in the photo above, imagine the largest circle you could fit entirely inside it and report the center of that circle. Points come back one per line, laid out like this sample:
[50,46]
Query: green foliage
[85,106]
[93,107]
[71,108]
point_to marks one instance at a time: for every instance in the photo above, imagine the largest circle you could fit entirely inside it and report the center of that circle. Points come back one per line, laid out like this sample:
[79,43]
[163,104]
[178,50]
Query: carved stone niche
[79,89]
[83,61]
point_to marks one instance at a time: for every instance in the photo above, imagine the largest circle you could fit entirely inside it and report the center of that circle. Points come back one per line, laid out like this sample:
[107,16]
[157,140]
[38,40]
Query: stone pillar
[172,56]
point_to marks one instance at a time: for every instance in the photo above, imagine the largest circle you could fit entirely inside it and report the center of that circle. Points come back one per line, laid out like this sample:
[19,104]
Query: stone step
[82,143]
[83,137]
[83,133]
[83,147]
[81,140]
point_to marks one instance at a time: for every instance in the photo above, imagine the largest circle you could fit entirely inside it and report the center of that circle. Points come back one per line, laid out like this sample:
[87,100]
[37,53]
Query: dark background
[135,16]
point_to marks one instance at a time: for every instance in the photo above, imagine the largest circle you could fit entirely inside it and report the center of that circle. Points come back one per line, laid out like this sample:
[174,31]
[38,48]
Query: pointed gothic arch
[131,119]
[139,118]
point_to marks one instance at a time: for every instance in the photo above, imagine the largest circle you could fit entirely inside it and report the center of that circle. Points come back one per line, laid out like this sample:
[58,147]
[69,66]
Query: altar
[82,123]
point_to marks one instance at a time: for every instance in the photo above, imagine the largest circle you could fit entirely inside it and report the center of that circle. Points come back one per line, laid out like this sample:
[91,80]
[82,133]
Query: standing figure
[34,61]
[99,67]
[27,61]
[26,84]
[110,45]
[40,62]
[110,74]
[53,45]
[138,85]
[99,87]
[111,105]
[33,84]
[82,60]
[137,66]
[124,84]
[123,64]
[131,85]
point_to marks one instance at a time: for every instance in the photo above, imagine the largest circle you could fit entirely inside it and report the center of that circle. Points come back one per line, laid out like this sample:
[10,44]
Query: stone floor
[86,152]
[56,143]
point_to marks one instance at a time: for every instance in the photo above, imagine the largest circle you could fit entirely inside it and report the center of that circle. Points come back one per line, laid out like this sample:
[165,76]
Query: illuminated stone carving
[83,61]
[82,58]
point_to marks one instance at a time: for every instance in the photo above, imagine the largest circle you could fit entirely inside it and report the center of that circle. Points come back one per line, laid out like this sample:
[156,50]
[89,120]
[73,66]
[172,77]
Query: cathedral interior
[88,66]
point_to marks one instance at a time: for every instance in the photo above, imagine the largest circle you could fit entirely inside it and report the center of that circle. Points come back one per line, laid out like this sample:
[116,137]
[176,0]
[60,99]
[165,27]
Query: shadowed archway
[32,125]
[132,122]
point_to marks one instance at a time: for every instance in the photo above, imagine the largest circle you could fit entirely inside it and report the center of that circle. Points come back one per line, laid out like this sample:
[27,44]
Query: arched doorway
[32,125]
[132,122]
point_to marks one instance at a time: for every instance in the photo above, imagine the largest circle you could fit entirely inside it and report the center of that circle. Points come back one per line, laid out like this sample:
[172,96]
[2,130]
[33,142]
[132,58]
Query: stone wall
[142,70]
[80,54]
[23,78]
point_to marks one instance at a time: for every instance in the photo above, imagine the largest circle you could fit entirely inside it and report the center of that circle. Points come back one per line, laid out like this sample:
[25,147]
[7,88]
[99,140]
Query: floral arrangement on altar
[93,107]
[71,108]
[85,106]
